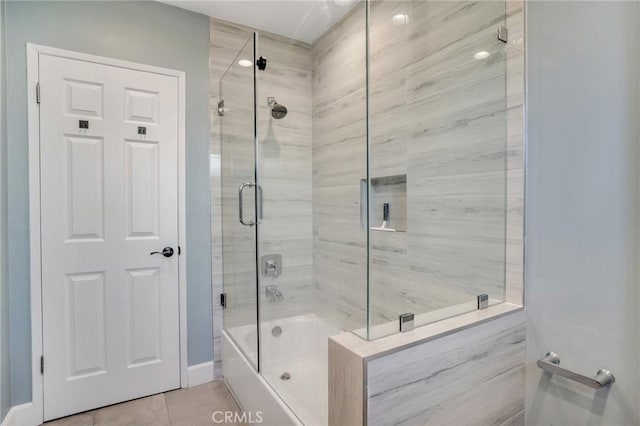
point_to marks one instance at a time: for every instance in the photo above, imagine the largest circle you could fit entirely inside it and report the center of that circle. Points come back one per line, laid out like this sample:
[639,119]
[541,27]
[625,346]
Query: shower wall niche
[388,203]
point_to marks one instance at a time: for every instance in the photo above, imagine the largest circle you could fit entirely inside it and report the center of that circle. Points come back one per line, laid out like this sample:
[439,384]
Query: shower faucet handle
[273,293]
[271,265]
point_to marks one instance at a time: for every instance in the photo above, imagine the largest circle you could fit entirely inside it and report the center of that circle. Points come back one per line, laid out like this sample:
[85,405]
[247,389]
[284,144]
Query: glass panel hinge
[503,33]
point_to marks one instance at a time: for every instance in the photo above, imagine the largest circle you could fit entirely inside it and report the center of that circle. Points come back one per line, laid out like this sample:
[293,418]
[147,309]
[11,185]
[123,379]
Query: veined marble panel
[473,377]
[339,164]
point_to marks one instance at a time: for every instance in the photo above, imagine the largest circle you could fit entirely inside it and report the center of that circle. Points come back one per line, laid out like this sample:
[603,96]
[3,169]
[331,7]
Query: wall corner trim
[347,394]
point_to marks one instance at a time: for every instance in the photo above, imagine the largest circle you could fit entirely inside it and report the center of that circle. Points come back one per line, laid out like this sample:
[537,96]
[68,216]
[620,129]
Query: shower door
[236,111]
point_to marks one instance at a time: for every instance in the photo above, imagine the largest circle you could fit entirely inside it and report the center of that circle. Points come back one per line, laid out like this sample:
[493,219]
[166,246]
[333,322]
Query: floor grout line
[166,407]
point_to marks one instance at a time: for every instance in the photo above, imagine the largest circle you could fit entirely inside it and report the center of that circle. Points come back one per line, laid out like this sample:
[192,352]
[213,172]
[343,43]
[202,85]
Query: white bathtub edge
[251,391]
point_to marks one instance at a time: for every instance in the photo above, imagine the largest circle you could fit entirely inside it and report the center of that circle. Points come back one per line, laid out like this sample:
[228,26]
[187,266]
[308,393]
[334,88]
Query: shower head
[277,111]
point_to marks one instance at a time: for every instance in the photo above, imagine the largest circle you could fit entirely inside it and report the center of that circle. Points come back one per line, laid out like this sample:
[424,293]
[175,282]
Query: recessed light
[481,55]
[400,19]
[245,63]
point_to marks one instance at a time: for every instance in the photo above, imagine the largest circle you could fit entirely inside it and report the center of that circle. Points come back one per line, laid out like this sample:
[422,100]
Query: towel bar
[551,364]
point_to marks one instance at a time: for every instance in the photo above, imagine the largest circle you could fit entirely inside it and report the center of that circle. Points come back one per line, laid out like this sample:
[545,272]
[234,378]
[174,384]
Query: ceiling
[302,20]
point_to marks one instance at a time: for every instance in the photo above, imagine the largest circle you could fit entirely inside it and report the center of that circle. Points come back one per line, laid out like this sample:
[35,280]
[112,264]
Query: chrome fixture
[285,376]
[503,34]
[406,321]
[483,301]
[277,111]
[271,265]
[364,187]
[241,204]
[166,252]
[385,220]
[274,293]
[551,364]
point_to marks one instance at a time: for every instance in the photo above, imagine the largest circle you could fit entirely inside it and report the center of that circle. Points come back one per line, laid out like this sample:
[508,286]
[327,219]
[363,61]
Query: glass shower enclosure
[363,179]
[239,213]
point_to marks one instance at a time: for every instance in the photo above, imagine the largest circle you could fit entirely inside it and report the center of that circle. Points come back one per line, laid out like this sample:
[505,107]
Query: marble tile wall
[284,174]
[440,118]
[339,164]
[515,153]
[450,123]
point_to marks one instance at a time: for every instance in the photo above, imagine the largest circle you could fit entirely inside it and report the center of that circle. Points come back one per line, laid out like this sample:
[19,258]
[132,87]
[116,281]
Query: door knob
[166,252]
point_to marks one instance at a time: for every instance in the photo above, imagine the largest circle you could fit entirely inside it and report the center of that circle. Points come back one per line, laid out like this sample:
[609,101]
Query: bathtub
[292,387]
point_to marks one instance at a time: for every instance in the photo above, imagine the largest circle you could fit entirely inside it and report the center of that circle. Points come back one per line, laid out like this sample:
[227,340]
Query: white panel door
[109,197]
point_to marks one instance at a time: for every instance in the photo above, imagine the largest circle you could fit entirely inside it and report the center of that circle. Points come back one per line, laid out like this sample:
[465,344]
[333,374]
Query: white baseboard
[8,418]
[22,415]
[200,373]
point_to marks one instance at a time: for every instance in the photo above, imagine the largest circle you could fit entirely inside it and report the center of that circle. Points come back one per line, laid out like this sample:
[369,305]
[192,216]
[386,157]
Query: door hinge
[223,300]
[503,33]
[38,92]
[42,364]
[221,108]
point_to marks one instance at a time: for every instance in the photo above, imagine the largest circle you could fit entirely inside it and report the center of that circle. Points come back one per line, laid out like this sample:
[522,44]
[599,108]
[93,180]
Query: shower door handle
[240,204]
[260,203]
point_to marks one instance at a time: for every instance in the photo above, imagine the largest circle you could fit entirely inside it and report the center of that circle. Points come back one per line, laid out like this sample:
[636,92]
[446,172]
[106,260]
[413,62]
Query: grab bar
[551,364]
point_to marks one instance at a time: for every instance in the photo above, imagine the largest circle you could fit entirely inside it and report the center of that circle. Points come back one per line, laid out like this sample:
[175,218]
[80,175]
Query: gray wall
[5,376]
[145,32]
[582,209]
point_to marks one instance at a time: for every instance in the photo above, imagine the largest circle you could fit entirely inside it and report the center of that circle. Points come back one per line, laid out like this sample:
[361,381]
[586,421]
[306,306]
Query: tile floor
[183,407]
